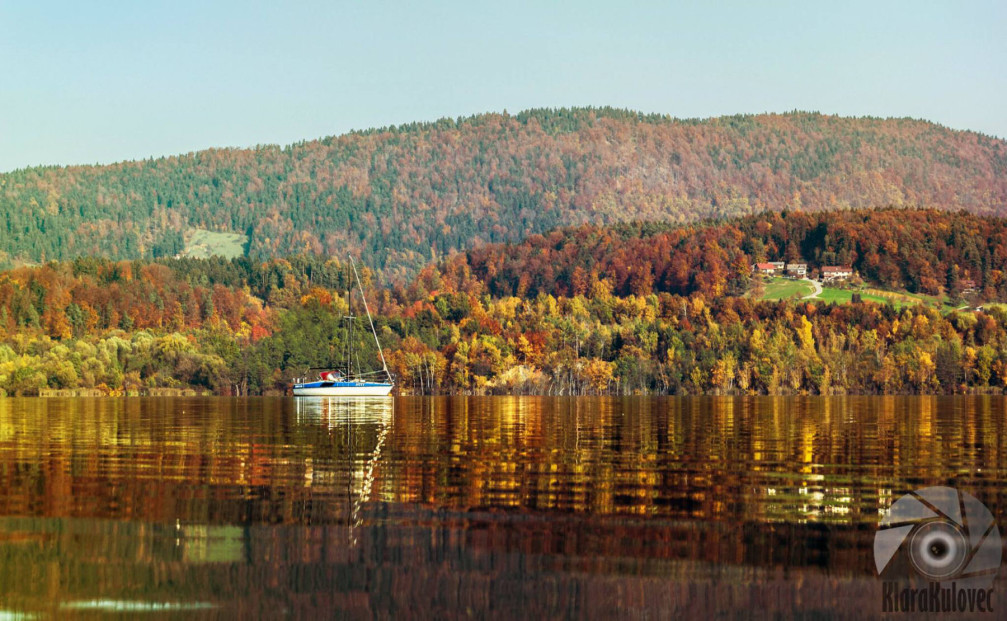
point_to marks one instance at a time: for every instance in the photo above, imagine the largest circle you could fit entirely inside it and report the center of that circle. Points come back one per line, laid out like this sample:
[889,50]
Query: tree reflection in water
[450,507]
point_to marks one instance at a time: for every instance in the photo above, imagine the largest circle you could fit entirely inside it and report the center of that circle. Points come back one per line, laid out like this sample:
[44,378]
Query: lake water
[480,507]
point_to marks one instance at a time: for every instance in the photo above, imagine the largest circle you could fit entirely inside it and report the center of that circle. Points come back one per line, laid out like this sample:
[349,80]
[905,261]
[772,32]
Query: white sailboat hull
[342,389]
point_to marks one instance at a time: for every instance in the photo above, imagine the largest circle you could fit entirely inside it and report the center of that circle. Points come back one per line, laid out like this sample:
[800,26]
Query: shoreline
[187,392]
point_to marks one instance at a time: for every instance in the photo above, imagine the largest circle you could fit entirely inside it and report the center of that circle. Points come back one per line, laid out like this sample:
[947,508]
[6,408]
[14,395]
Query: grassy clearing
[902,298]
[837,296]
[845,296]
[899,299]
[998,305]
[200,243]
[785,289]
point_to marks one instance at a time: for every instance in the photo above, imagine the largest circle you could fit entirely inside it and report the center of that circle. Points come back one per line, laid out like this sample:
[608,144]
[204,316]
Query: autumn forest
[585,251]
[586,310]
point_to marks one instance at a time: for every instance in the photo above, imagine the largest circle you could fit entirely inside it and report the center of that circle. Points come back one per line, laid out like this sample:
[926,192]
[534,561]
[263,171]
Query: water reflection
[334,411]
[470,506]
[354,416]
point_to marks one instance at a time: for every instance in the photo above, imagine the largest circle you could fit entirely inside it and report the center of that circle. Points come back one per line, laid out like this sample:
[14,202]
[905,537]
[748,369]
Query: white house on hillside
[836,272]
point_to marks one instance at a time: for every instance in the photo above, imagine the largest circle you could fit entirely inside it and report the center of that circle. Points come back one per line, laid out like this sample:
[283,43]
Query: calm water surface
[462,507]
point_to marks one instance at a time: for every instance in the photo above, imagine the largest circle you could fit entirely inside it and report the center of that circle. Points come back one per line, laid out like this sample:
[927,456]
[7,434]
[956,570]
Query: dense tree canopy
[401,196]
[919,250]
[601,310]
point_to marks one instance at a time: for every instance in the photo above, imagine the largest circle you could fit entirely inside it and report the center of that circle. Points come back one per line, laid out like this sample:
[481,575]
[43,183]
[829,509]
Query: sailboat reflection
[351,415]
[337,411]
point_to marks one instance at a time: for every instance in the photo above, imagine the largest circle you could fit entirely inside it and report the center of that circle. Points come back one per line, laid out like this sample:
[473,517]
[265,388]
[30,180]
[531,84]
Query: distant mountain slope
[401,196]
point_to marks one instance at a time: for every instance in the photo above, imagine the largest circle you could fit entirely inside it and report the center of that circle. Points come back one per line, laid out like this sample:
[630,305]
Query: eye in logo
[949,535]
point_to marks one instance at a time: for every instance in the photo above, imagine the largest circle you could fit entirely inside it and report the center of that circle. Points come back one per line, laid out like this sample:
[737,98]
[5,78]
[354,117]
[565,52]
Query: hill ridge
[403,195]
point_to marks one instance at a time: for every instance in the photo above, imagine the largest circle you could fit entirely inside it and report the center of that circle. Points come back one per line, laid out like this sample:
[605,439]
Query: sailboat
[332,383]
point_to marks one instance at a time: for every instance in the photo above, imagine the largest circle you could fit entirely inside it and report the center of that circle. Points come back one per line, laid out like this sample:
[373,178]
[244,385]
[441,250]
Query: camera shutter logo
[948,535]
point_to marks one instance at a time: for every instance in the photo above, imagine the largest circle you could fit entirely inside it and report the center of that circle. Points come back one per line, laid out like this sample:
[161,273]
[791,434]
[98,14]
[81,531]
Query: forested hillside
[404,196]
[918,250]
[473,325]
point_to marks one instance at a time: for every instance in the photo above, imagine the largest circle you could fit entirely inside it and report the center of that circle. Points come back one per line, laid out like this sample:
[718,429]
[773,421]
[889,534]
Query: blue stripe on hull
[342,389]
[342,385]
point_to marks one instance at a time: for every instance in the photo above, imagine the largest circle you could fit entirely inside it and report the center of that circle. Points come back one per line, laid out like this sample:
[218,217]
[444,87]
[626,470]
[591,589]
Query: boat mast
[347,346]
[373,331]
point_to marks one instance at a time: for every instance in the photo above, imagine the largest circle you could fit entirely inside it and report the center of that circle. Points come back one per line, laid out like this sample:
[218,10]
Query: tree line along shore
[627,309]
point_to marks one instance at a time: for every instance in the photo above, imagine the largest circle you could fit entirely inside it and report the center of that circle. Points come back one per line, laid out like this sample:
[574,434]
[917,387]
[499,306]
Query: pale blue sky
[84,82]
